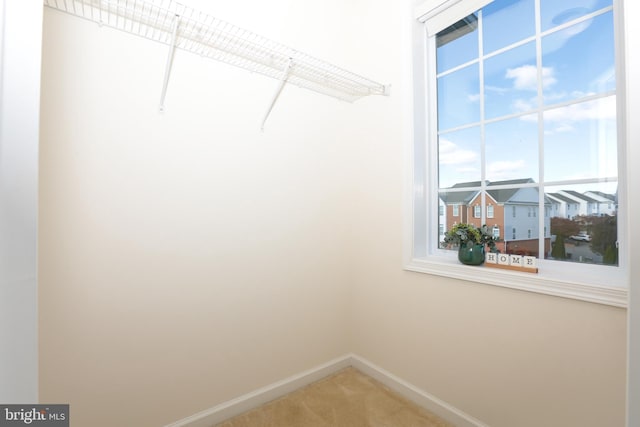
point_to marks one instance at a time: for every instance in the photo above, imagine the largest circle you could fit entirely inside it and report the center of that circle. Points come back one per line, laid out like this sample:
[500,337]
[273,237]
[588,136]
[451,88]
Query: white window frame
[594,283]
[490,211]
[477,211]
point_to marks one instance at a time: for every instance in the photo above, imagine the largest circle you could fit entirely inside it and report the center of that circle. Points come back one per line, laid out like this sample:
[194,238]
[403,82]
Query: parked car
[582,237]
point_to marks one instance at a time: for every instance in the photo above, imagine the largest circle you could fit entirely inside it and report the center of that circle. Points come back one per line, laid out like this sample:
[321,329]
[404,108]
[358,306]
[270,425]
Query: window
[496,231]
[516,117]
[456,210]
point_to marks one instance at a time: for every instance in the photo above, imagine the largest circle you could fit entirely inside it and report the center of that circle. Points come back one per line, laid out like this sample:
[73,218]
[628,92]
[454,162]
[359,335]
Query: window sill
[546,282]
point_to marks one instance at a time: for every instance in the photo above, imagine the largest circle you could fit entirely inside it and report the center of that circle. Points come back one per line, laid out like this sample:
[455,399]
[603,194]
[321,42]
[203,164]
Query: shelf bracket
[167,69]
[283,81]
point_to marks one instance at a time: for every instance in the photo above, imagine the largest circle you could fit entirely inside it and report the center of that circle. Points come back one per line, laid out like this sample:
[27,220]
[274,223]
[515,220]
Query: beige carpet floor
[345,399]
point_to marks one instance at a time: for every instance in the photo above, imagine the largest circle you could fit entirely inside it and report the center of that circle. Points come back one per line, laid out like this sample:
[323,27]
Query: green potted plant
[471,242]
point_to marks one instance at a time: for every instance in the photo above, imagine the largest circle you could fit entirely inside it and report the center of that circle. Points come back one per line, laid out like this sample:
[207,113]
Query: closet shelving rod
[213,38]
[285,75]
[167,71]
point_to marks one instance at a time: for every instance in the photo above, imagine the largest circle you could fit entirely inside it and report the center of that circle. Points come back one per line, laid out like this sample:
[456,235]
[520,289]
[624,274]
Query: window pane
[554,12]
[457,208]
[459,98]
[512,149]
[506,22]
[457,44]
[511,82]
[584,223]
[459,157]
[580,141]
[575,70]
[579,61]
[522,229]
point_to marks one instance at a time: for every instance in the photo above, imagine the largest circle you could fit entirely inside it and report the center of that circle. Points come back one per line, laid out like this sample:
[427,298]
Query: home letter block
[503,259]
[530,262]
[516,260]
[491,258]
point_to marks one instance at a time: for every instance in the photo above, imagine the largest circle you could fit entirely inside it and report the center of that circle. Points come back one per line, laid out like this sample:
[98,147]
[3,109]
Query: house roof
[458,197]
[580,196]
[512,182]
[467,184]
[604,195]
[502,195]
[562,198]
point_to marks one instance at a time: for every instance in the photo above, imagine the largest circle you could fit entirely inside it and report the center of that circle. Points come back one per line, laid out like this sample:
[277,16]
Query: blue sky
[577,62]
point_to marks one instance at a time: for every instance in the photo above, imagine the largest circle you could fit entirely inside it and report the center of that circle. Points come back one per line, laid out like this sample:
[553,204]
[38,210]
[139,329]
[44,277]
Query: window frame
[594,283]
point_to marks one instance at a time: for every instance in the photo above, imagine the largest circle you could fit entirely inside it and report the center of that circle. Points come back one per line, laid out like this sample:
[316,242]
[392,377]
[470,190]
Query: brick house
[512,213]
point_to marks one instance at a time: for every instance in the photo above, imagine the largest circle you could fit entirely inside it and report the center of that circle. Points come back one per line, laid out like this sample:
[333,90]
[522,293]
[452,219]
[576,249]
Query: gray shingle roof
[605,195]
[499,195]
[461,197]
[562,197]
[581,196]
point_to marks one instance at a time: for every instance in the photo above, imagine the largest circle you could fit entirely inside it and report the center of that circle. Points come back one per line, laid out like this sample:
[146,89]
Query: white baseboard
[416,395]
[252,400]
[231,408]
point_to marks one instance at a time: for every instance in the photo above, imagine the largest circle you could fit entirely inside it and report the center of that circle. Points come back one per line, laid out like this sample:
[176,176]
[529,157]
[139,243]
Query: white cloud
[526,77]
[474,98]
[497,89]
[555,96]
[506,169]
[458,164]
[563,119]
[451,154]
[565,127]
[524,105]
[600,109]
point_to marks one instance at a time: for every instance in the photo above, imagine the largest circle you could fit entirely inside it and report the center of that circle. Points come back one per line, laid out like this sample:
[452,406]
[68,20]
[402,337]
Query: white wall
[20,40]
[186,258]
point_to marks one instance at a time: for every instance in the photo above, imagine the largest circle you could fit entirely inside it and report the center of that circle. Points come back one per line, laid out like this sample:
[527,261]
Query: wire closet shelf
[182,27]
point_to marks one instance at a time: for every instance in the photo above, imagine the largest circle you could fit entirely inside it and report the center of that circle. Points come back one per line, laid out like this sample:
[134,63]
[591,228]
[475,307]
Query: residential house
[607,203]
[587,205]
[512,213]
[564,206]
